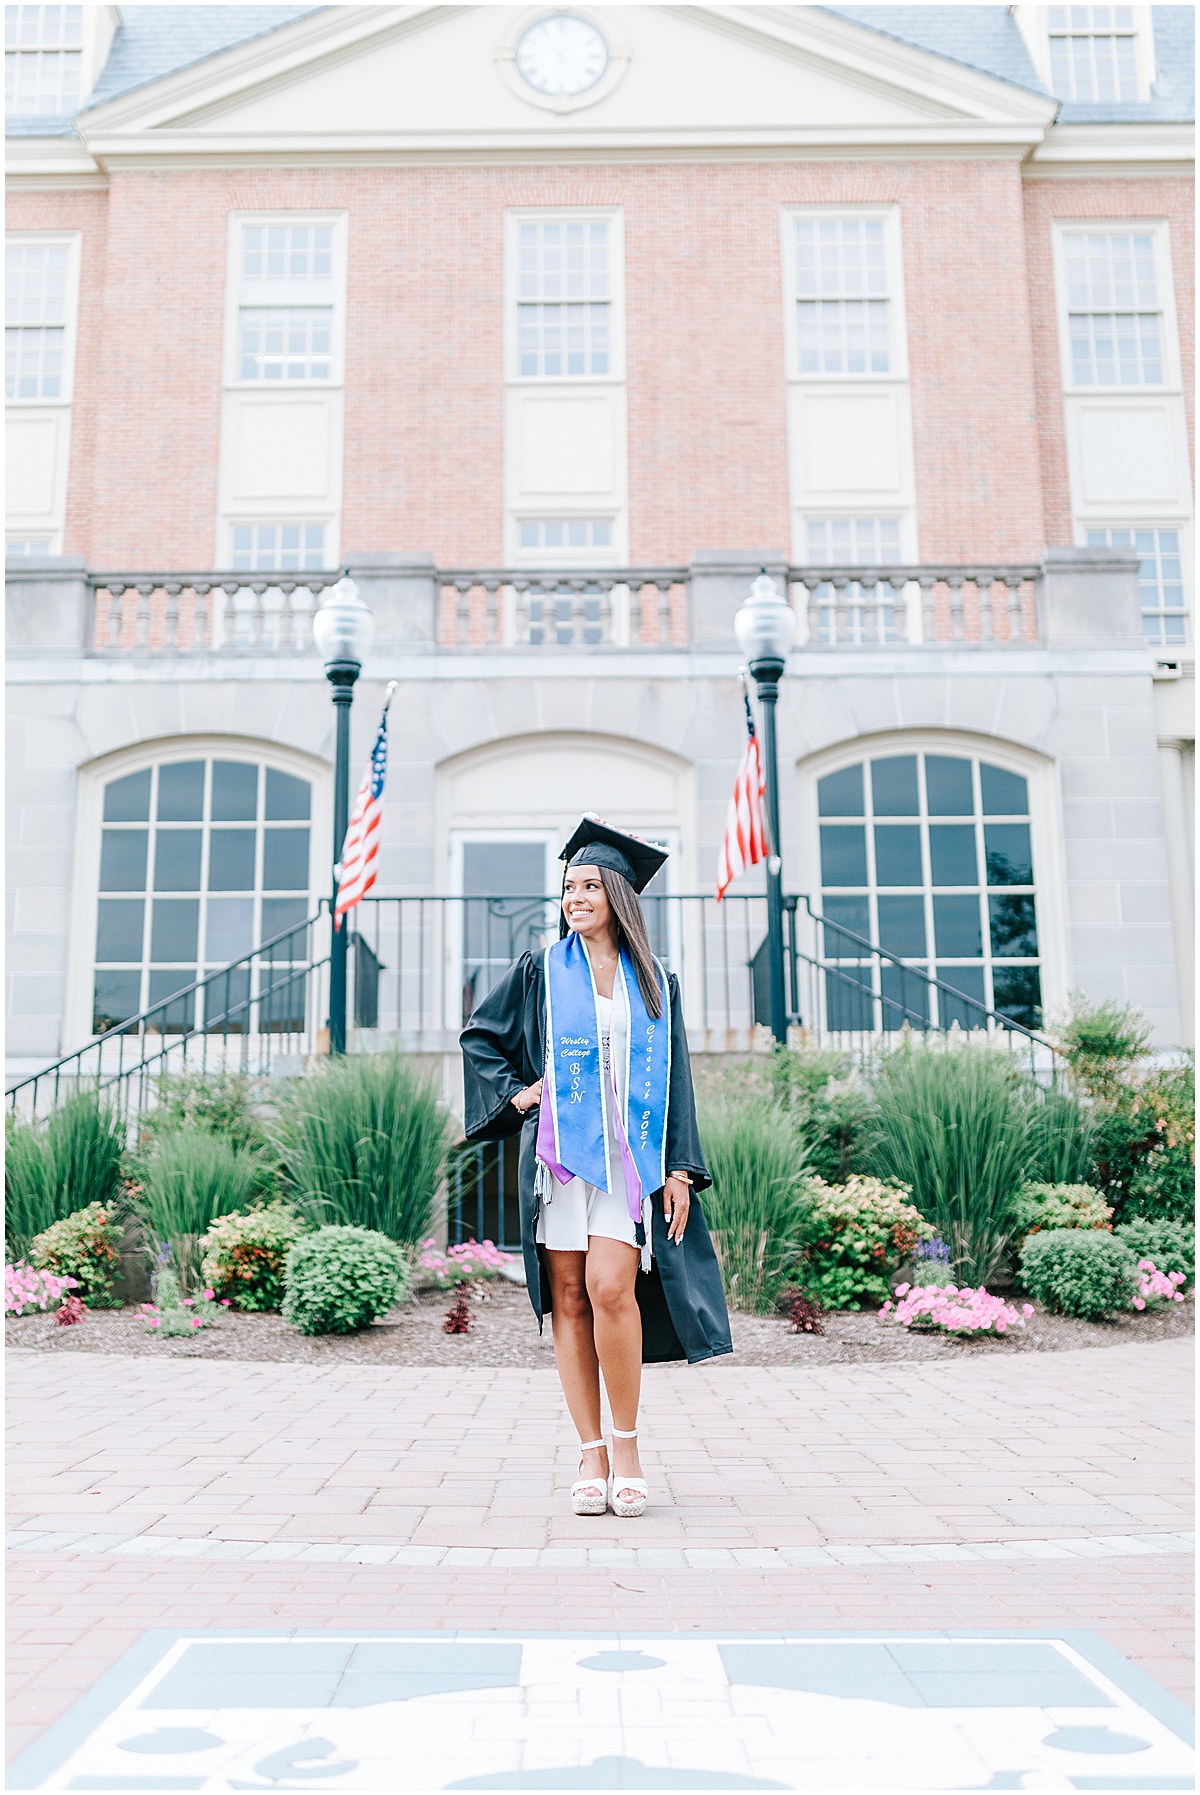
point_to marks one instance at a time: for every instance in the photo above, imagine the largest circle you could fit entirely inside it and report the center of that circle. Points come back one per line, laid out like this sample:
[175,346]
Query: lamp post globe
[765,626]
[343,630]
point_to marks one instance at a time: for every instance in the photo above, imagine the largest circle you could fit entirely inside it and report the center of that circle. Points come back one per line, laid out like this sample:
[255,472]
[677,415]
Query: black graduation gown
[681,1297]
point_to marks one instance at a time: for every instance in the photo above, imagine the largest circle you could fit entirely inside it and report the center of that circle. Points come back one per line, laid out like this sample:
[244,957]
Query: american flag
[360,850]
[745,842]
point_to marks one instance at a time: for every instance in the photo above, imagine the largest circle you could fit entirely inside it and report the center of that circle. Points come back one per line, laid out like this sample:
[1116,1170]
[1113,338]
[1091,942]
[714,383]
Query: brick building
[554,328]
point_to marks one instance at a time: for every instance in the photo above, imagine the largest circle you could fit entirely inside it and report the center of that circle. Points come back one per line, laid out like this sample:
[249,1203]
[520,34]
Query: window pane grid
[33,362]
[195,857]
[566,532]
[1093,55]
[563,297]
[842,318]
[928,857]
[289,253]
[855,542]
[286,342]
[278,548]
[1113,308]
[1160,580]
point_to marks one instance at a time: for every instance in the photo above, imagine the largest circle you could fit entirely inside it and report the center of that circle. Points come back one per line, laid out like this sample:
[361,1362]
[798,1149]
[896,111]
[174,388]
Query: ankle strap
[587,1445]
[618,1435]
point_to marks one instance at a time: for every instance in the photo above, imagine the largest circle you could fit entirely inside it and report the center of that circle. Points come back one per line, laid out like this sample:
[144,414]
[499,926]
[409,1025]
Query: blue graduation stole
[572,1141]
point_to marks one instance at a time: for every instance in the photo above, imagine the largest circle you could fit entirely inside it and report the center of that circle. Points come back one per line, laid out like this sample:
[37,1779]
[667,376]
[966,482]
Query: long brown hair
[629,923]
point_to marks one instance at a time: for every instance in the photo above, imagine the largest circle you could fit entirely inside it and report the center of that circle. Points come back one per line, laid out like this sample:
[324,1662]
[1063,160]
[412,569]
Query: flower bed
[955,1311]
[26,1289]
[1155,1287]
[464,1264]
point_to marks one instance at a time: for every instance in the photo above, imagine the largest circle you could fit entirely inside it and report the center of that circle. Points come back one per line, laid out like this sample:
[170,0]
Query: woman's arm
[494,1055]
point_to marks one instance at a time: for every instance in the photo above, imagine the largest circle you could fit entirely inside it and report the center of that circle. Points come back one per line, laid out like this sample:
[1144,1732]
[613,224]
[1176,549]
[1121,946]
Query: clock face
[562,55]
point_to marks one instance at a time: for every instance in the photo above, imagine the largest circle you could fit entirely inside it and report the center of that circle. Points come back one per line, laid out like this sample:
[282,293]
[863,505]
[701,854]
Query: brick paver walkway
[1078,1451]
[1039,1446]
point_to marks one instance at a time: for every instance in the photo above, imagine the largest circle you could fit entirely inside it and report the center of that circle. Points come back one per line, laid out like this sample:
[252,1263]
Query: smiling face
[585,904]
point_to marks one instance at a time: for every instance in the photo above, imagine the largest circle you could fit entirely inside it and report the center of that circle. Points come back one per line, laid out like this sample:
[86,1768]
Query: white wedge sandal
[590,1495]
[627,1511]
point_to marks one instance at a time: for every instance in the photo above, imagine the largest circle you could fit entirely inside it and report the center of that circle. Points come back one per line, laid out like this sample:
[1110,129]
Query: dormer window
[43,60]
[1094,52]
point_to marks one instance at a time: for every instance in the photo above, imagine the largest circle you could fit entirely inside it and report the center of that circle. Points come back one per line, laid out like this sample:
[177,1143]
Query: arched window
[200,861]
[929,857]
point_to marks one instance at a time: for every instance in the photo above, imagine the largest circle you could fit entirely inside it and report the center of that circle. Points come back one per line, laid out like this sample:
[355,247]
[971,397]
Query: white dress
[578,1209]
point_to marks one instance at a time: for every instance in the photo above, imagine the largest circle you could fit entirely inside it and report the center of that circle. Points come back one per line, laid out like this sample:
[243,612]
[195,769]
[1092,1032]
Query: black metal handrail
[285,974]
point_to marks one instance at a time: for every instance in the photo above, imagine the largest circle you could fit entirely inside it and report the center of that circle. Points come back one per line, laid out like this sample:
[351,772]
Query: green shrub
[85,1246]
[1062,1137]
[830,1107]
[184,1183]
[953,1123]
[1138,1168]
[1171,1245]
[340,1279]
[1103,1043]
[219,1102]
[243,1256]
[1040,1207]
[365,1142]
[56,1167]
[854,1235]
[757,1204]
[1079,1272]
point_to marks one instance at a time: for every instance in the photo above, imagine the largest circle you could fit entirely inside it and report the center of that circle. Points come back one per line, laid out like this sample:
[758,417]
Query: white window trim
[89,823]
[513,220]
[73,242]
[1159,230]
[898,373]
[1046,831]
[1034,24]
[896,514]
[233,303]
[1183,526]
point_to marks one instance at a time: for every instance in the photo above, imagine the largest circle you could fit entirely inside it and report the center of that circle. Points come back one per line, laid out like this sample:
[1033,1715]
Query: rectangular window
[286,299]
[1114,312]
[1160,579]
[35,319]
[842,300]
[564,298]
[286,342]
[27,545]
[1093,52]
[43,60]
[277,548]
[565,532]
[870,615]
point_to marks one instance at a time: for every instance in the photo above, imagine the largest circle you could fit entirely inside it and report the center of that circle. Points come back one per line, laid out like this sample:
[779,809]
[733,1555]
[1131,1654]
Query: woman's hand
[529,1098]
[677,1200]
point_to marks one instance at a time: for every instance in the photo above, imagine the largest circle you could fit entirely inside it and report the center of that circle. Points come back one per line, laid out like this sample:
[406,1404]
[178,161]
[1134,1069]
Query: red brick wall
[706,378]
[1045,201]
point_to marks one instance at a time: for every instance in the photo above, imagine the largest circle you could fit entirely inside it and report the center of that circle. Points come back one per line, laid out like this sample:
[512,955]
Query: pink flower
[195,1321]
[189,1302]
[152,1321]
[209,1295]
[1139,1302]
[225,1301]
[1027,1309]
[903,1289]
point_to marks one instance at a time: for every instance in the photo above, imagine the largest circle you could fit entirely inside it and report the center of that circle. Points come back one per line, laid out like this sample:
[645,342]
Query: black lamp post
[765,625]
[342,630]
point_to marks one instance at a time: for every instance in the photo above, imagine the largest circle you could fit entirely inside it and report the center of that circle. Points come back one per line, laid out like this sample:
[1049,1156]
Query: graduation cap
[596,843]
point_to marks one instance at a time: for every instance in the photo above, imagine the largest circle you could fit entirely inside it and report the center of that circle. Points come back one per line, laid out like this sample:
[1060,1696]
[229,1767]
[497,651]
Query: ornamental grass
[758,1202]
[364,1143]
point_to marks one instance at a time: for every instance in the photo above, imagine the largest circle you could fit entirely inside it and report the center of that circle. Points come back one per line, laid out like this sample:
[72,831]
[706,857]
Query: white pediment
[430,79]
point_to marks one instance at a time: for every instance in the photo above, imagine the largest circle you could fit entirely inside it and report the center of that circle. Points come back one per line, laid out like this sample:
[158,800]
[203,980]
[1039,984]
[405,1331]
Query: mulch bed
[503,1332]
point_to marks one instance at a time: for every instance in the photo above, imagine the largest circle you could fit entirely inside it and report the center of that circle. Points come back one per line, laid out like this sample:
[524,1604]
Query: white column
[1181,880]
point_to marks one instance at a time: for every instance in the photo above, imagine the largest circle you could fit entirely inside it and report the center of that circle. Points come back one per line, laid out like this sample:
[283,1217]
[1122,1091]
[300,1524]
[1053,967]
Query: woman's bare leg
[575,1351]
[611,1272]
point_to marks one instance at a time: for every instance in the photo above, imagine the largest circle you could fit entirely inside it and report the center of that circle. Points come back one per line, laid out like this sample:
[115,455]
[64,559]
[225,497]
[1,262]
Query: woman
[582,1051]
